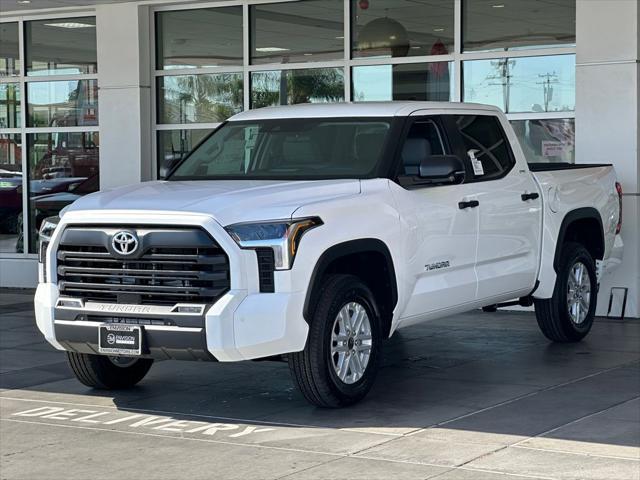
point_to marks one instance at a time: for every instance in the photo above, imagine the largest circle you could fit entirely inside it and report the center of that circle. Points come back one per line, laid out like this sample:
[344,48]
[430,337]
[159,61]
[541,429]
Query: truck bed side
[586,194]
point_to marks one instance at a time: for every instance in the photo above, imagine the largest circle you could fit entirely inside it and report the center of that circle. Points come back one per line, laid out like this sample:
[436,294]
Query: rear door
[441,238]
[510,207]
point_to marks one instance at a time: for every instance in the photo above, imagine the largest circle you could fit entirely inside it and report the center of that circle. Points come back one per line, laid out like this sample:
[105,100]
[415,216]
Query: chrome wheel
[123,362]
[351,342]
[578,293]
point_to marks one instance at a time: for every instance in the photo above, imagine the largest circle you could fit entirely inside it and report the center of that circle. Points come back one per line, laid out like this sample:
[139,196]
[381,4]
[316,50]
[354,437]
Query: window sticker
[475,162]
[552,148]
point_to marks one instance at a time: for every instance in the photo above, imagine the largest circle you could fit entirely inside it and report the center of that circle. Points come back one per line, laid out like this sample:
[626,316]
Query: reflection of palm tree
[214,98]
[326,84]
[264,89]
[301,86]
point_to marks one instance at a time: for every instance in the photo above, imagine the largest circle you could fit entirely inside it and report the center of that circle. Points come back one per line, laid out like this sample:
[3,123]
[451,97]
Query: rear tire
[341,358]
[104,373]
[568,315]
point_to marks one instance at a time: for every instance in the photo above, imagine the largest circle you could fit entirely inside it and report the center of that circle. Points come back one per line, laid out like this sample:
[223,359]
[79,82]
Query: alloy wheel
[578,293]
[351,342]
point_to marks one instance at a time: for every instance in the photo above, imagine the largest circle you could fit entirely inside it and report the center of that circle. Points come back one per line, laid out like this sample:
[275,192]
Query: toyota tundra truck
[312,233]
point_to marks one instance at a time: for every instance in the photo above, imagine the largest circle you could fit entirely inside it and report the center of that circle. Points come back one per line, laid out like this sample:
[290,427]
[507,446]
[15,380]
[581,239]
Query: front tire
[568,315]
[341,357]
[108,373]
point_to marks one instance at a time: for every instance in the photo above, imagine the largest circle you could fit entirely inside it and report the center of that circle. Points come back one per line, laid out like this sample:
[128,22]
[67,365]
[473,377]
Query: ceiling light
[23,2]
[307,54]
[439,29]
[339,38]
[499,5]
[271,49]
[70,25]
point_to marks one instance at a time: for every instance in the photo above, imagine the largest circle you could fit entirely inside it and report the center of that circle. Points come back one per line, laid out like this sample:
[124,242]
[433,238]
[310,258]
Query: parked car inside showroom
[313,232]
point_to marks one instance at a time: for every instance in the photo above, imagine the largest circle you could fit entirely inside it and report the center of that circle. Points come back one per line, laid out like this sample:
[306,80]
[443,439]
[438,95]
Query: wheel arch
[358,257]
[578,225]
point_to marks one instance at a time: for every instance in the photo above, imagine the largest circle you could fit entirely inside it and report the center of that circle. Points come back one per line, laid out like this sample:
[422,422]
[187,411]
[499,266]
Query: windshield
[292,149]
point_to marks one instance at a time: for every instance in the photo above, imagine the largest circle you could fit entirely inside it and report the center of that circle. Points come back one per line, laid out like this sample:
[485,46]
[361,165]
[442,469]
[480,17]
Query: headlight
[283,237]
[47,227]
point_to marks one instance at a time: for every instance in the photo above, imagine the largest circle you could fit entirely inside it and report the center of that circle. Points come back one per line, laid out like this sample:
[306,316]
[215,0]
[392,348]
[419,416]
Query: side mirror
[442,169]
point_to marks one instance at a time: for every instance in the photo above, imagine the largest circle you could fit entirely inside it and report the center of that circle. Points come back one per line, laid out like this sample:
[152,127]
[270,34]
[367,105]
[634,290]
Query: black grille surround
[266,269]
[174,265]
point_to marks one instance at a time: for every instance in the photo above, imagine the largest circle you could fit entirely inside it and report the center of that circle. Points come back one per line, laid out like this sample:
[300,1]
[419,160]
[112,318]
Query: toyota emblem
[124,243]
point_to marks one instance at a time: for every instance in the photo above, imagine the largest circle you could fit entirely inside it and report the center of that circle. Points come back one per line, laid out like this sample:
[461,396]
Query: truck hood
[228,201]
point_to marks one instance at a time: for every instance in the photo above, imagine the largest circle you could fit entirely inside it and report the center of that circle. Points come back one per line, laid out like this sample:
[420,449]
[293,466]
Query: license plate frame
[119,339]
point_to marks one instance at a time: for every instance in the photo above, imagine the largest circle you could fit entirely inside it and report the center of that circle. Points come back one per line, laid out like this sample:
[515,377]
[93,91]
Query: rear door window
[486,146]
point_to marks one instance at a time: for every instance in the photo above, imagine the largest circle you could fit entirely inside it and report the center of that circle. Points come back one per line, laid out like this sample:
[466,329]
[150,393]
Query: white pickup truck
[311,233]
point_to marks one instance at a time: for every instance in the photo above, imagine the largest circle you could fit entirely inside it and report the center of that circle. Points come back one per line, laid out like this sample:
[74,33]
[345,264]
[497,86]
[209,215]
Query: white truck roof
[349,109]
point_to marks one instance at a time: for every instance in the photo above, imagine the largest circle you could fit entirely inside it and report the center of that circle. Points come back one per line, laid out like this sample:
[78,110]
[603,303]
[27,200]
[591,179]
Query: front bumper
[237,327]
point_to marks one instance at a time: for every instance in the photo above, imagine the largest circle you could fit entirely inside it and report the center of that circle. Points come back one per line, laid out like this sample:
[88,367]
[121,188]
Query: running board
[522,302]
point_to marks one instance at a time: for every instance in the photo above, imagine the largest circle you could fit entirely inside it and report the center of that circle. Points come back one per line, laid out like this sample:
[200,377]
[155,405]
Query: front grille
[175,266]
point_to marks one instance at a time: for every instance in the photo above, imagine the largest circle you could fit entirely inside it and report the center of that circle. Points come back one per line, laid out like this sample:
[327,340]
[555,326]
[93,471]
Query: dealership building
[99,94]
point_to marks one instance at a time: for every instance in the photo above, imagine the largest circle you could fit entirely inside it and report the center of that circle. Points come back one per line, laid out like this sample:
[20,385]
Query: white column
[124,93]
[607,119]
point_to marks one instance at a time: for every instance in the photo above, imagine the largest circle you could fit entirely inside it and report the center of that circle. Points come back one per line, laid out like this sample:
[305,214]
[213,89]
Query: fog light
[70,302]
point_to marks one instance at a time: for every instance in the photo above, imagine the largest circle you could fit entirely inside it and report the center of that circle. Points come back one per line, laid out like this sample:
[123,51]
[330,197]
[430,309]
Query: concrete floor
[477,396]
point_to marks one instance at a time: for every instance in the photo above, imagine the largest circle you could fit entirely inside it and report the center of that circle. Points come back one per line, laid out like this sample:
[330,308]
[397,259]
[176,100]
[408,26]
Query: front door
[440,236]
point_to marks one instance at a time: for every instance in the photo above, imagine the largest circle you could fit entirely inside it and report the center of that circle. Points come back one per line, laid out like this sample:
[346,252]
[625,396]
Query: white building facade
[98,94]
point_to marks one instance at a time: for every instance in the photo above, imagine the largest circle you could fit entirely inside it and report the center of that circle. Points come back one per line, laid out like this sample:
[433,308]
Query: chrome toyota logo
[124,243]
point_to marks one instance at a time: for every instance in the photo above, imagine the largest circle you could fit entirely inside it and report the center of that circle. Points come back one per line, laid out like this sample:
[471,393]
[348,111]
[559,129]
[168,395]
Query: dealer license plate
[120,339]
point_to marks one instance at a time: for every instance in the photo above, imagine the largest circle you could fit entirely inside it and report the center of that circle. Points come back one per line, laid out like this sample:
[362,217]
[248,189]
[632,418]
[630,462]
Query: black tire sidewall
[347,290]
[573,254]
[97,371]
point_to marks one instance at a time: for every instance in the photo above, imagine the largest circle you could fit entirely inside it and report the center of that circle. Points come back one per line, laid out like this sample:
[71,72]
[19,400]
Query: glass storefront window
[9,50]
[61,46]
[63,103]
[401,28]
[288,87]
[548,140]
[206,98]
[517,24]
[173,145]
[10,193]
[9,105]
[415,81]
[63,166]
[528,84]
[291,32]
[206,37]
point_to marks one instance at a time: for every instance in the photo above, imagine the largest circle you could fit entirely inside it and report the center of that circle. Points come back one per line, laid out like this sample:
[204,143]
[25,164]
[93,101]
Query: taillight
[619,190]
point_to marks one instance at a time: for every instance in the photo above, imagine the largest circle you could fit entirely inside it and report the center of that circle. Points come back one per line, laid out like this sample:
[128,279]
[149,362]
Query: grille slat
[80,256]
[177,265]
[150,274]
[100,287]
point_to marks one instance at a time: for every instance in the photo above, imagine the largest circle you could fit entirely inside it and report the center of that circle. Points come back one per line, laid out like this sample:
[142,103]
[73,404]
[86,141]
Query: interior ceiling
[324,19]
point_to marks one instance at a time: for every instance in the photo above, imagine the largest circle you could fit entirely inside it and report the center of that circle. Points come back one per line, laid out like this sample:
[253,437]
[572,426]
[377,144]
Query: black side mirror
[442,169]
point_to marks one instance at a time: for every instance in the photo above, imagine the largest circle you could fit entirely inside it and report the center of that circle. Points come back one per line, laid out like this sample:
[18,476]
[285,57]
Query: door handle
[529,196]
[469,204]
